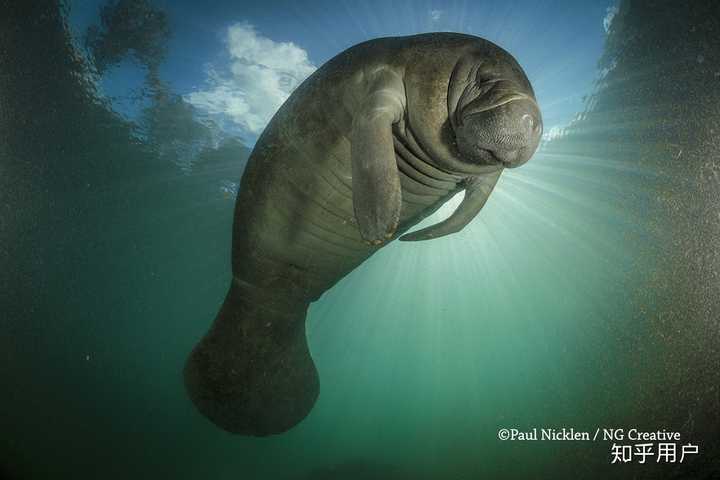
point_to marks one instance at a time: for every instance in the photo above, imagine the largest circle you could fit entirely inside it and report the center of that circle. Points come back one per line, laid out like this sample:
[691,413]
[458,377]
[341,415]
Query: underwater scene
[325,240]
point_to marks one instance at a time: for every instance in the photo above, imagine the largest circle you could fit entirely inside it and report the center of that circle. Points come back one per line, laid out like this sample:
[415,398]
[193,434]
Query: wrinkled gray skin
[373,142]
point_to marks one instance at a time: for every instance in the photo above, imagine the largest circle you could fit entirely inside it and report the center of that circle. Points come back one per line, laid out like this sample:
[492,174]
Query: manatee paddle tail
[252,373]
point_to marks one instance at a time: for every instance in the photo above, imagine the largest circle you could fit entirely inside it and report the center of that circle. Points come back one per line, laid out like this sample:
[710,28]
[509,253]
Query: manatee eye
[481,76]
[485,71]
[478,89]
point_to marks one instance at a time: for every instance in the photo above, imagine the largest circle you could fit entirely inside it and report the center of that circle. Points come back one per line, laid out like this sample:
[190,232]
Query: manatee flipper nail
[476,194]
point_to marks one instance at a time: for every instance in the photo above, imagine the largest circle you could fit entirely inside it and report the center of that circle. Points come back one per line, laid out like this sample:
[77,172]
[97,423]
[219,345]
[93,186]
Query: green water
[574,300]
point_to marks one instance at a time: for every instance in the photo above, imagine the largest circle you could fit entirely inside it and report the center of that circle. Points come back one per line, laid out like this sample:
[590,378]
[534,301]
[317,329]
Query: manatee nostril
[529,122]
[533,126]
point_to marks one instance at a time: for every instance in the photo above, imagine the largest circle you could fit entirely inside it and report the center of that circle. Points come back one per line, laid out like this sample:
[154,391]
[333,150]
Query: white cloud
[435,15]
[261,75]
[553,133]
[609,16]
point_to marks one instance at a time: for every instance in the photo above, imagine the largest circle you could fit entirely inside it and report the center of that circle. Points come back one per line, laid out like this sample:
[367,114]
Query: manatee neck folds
[443,160]
[409,151]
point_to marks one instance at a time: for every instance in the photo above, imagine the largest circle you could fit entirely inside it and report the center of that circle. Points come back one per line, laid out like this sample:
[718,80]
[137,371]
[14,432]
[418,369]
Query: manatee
[371,143]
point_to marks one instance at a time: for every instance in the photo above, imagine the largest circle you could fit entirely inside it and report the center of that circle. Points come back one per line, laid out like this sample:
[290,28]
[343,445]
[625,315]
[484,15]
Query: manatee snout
[507,134]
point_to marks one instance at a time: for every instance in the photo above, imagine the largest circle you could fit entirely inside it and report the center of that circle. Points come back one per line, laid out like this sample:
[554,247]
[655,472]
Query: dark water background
[586,296]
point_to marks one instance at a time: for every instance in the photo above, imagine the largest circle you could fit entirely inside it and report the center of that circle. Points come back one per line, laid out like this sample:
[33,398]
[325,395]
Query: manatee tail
[252,373]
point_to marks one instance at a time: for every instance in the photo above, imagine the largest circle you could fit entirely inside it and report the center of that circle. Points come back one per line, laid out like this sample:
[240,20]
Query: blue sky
[237,61]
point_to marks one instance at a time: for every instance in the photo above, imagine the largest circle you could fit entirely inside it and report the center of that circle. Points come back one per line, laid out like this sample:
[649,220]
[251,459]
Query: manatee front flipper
[476,194]
[376,187]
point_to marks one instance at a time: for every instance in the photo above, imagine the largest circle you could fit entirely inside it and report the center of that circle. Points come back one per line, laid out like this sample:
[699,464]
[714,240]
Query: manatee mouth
[485,156]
